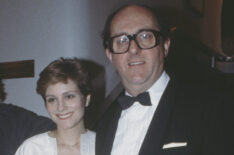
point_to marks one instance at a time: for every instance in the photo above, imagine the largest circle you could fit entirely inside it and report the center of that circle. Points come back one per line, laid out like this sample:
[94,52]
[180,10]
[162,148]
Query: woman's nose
[61,105]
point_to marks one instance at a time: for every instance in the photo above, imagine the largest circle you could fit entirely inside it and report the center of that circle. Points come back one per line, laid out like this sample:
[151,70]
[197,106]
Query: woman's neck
[69,137]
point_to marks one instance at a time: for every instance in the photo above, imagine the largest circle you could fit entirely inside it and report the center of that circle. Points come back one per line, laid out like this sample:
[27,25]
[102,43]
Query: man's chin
[135,81]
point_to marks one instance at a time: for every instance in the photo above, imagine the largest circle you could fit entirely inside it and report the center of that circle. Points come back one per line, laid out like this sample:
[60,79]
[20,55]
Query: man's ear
[166,46]
[88,97]
[109,55]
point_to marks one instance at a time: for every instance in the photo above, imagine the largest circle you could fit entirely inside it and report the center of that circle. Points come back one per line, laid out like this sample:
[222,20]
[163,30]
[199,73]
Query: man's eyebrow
[119,34]
[142,29]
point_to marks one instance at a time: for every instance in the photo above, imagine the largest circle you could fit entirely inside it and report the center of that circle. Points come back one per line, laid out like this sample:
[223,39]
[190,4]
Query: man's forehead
[134,8]
[133,18]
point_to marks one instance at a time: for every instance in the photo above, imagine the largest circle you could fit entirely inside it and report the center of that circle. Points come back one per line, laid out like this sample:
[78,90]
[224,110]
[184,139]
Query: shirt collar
[158,87]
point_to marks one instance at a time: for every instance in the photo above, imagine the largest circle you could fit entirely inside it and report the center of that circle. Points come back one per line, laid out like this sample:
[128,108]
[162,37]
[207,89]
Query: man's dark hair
[162,24]
[2,91]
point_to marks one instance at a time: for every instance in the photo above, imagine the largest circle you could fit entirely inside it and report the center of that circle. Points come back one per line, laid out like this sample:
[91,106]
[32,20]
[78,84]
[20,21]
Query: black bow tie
[126,101]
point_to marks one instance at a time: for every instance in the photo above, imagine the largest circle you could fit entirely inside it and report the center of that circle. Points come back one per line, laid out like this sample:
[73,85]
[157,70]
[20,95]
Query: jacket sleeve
[18,124]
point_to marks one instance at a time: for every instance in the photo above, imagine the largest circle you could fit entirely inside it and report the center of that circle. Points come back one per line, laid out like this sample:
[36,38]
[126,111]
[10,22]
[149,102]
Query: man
[177,119]
[18,124]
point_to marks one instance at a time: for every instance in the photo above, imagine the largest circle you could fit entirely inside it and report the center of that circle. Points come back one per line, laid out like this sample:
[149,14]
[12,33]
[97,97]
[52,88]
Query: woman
[64,86]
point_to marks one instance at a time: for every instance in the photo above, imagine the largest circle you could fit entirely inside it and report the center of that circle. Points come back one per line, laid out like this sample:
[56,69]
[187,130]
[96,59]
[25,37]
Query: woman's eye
[50,100]
[70,96]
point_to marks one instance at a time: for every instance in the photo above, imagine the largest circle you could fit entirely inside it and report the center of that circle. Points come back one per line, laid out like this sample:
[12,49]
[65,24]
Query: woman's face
[66,104]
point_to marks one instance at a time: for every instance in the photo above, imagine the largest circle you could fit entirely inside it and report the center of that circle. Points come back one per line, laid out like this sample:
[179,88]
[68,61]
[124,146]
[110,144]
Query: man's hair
[162,24]
[61,70]
[2,91]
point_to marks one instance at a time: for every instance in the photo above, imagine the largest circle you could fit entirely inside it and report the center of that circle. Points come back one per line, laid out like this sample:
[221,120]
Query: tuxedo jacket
[187,121]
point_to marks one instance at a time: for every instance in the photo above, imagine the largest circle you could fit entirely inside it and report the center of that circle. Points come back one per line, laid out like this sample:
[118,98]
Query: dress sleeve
[26,148]
[41,144]
[21,150]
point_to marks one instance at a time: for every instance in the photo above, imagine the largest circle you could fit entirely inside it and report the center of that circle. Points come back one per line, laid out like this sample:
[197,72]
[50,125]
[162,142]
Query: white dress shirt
[134,121]
[43,144]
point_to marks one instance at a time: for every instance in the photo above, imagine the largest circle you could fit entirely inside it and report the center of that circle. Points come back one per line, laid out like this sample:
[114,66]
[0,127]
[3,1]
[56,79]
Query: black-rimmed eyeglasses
[145,39]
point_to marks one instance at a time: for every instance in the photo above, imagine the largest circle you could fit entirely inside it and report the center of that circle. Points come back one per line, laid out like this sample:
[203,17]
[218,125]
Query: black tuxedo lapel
[153,141]
[107,134]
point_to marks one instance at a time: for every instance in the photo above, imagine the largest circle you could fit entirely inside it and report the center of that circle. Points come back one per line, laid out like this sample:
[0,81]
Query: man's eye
[123,40]
[145,36]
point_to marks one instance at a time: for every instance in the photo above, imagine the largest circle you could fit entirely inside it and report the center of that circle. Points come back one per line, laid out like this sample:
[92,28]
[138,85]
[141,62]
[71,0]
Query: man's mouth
[136,63]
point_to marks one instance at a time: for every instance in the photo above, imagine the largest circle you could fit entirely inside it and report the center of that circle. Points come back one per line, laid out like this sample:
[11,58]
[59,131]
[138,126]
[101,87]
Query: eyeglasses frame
[157,35]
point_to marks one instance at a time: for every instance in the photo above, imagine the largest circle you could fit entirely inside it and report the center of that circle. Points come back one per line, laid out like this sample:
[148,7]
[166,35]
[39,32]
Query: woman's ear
[88,97]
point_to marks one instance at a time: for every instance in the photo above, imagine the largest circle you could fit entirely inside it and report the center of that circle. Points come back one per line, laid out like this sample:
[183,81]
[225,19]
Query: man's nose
[133,47]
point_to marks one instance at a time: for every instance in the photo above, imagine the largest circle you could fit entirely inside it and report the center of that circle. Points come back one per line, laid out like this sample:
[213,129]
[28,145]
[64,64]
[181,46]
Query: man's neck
[135,89]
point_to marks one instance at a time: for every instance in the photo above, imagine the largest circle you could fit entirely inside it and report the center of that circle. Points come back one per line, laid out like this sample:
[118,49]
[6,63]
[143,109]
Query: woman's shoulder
[42,139]
[37,142]
[90,133]
[88,137]
[88,143]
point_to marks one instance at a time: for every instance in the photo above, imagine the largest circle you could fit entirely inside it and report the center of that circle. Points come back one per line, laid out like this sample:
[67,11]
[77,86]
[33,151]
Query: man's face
[138,68]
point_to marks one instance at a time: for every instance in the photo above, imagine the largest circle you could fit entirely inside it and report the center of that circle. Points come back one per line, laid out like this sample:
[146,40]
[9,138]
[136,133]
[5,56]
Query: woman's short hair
[61,70]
